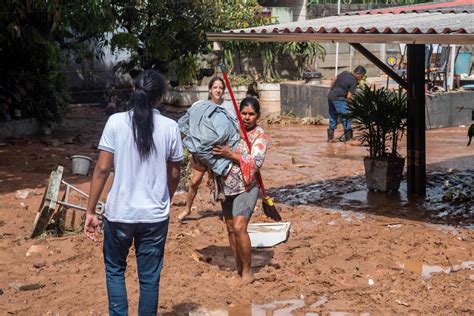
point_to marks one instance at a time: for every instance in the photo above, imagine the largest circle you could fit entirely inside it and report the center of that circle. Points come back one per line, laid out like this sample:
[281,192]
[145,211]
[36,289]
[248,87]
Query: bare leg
[192,191]
[233,246]
[242,241]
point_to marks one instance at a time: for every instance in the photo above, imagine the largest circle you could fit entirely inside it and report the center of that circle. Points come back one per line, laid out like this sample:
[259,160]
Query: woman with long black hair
[145,150]
[241,187]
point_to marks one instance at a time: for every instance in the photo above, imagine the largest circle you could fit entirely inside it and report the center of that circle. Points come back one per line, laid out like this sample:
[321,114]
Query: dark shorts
[241,204]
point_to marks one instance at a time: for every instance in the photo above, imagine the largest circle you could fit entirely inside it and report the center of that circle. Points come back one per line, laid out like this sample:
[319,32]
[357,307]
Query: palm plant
[380,114]
[305,53]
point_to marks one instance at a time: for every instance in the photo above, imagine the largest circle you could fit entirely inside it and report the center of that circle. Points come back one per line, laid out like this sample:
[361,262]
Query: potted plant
[380,116]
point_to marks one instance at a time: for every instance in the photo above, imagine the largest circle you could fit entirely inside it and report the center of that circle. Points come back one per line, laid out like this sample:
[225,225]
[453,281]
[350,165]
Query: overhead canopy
[440,23]
[431,23]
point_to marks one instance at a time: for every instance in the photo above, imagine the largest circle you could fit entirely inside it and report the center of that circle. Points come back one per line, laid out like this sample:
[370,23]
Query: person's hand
[223,151]
[91,226]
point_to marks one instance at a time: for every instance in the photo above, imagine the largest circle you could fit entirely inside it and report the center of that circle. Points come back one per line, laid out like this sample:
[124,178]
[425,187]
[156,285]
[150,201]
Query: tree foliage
[33,37]
[305,53]
[238,14]
[168,35]
[165,35]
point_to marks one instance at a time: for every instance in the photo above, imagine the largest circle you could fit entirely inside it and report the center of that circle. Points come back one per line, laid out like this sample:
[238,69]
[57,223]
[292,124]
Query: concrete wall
[304,99]
[298,7]
[87,79]
[442,110]
[19,128]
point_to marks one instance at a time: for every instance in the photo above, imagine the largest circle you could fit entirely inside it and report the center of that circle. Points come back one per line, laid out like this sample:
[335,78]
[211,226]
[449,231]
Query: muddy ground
[349,251]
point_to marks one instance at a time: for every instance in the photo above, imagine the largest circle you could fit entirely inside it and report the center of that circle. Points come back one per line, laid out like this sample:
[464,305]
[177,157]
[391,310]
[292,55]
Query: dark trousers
[149,241]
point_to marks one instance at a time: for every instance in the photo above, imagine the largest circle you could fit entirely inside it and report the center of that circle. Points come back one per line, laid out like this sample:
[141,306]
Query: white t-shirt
[139,193]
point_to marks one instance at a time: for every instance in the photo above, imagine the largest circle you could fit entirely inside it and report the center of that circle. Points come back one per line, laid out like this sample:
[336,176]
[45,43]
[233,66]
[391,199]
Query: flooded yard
[349,251]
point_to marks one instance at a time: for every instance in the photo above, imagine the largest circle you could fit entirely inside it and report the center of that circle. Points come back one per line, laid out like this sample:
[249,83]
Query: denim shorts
[241,204]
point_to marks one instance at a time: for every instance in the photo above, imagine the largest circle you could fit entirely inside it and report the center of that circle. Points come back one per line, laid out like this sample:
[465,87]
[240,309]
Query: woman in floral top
[240,185]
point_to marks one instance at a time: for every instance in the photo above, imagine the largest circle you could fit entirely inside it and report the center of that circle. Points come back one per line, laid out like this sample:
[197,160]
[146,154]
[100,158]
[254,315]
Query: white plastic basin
[268,234]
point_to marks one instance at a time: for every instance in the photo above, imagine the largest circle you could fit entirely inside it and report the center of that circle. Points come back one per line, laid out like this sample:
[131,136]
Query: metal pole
[337,44]
[351,55]
[383,49]
[416,149]
[451,68]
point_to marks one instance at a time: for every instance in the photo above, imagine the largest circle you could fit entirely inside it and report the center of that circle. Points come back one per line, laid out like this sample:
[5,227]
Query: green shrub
[380,115]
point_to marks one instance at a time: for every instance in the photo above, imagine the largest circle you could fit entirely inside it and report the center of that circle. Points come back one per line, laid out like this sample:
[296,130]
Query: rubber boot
[347,135]
[330,135]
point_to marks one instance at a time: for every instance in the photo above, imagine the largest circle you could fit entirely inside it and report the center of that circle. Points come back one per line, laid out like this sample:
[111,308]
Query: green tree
[166,35]
[33,37]
[305,53]
[238,14]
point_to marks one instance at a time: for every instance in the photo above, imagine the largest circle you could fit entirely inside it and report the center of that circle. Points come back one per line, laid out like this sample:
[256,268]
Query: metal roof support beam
[416,149]
[380,64]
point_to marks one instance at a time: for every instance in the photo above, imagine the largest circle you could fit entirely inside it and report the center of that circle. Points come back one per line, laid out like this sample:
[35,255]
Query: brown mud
[349,251]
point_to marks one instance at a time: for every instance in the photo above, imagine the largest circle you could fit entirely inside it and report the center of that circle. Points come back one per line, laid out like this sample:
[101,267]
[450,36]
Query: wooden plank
[48,204]
[59,216]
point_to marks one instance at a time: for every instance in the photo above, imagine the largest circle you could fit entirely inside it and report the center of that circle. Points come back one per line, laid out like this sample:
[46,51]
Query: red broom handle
[242,126]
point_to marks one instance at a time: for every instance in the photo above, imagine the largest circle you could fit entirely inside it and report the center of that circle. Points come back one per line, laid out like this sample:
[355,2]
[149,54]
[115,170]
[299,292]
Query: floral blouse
[241,177]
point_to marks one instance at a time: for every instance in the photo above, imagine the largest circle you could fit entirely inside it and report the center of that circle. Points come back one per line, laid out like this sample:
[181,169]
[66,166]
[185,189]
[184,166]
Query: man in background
[340,93]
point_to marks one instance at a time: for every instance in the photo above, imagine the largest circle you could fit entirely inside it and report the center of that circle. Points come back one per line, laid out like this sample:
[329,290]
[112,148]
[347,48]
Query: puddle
[321,301]
[426,270]
[276,308]
[379,199]
[449,197]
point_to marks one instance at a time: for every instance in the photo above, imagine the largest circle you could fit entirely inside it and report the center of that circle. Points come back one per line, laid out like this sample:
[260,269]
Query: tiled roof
[415,23]
[452,6]
[458,22]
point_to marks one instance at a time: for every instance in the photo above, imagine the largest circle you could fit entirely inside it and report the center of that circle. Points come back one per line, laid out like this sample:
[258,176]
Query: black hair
[360,70]
[252,102]
[214,79]
[149,88]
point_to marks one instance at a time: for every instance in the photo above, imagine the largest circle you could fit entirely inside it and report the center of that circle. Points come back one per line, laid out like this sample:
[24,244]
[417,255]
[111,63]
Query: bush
[32,82]
[380,114]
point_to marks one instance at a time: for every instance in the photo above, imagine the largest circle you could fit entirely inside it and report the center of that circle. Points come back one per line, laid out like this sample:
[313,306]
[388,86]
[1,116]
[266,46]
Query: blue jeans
[149,240]
[336,108]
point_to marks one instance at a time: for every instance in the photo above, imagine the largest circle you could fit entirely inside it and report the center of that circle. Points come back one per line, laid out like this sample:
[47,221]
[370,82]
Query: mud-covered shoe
[347,136]
[330,135]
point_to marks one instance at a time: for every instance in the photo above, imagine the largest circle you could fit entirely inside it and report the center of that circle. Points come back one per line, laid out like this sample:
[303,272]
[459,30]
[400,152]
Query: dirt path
[348,251]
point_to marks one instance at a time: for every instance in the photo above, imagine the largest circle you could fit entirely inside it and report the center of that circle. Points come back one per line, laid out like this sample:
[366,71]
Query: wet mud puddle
[276,308]
[449,197]
[426,271]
